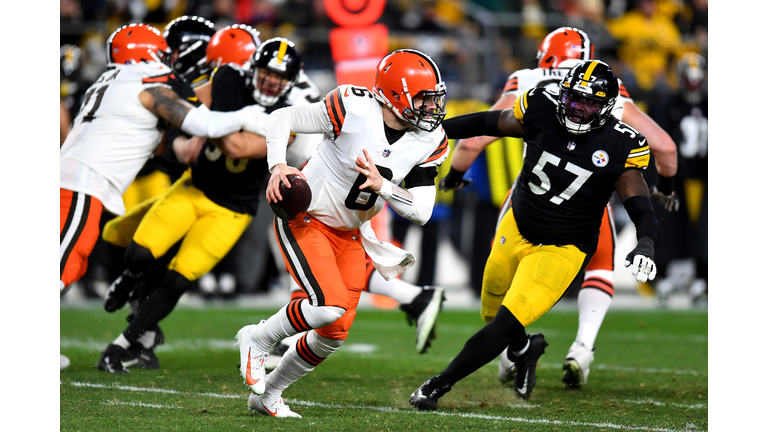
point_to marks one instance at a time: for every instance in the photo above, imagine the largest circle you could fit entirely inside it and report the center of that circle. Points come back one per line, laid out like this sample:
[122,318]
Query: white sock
[147,340]
[522,351]
[593,304]
[396,289]
[121,341]
[293,366]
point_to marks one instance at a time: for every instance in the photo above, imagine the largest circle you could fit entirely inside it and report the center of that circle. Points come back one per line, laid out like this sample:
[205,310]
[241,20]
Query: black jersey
[567,180]
[234,184]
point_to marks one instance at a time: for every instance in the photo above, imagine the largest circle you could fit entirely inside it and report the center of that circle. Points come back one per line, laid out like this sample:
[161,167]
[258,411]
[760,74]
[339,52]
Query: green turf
[650,373]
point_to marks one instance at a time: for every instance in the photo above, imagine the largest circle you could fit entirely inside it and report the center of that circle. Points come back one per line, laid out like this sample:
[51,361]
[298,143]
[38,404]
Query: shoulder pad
[347,99]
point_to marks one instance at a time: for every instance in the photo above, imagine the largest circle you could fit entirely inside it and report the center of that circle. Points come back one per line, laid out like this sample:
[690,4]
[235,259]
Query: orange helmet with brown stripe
[405,75]
[134,43]
[563,44]
[232,44]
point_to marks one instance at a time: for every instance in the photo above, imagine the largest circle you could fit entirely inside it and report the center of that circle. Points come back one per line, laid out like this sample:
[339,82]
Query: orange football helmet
[405,75]
[134,43]
[232,44]
[563,44]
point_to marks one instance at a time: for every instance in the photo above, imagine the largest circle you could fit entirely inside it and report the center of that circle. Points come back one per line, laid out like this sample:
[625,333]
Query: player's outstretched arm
[199,121]
[634,194]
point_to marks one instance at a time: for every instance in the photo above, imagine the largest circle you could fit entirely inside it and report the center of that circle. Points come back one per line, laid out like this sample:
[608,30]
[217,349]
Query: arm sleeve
[640,211]
[418,209]
[204,123]
[308,119]
[472,125]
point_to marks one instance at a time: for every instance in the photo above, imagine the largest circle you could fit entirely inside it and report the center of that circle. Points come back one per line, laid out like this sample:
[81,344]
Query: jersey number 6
[364,199]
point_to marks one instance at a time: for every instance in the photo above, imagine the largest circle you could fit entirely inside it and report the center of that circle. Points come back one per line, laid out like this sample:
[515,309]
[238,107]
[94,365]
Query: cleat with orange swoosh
[270,406]
[252,360]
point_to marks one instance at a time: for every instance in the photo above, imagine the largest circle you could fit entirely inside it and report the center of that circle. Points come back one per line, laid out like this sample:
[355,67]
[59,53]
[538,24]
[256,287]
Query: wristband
[453,178]
[665,184]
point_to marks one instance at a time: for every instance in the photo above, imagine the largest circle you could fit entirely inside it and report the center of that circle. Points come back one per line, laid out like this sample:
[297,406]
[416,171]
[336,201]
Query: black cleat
[525,366]
[112,359]
[120,291]
[141,357]
[424,310]
[425,397]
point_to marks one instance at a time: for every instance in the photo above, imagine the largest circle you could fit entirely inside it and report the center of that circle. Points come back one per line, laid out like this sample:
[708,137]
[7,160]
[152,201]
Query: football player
[373,141]
[576,155]
[211,205]
[97,164]
[557,54]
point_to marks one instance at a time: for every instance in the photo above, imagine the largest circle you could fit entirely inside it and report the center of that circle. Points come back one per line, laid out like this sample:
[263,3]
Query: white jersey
[549,79]
[114,135]
[303,145]
[353,122]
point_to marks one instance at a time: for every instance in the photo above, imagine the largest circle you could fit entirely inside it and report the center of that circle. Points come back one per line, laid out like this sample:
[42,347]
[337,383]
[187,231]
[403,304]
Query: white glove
[641,260]
[255,119]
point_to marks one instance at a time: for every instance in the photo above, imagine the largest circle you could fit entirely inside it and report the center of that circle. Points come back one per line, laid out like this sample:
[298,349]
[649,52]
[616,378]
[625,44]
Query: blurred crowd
[658,48]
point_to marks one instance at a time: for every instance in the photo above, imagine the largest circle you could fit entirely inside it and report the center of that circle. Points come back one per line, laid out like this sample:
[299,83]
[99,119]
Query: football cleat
[424,310]
[525,366]
[506,368]
[112,359]
[576,365]
[252,360]
[425,397]
[270,406]
[145,358]
[275,355]
[120,291]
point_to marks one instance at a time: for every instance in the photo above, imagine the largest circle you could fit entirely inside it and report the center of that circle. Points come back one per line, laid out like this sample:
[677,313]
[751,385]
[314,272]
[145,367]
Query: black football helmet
[587,96]
[275,58]
[692,72]
[187,38]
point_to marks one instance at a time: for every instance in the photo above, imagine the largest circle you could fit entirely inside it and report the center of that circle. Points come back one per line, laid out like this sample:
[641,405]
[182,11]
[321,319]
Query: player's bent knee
[138,258]
[320,316]
[321,345]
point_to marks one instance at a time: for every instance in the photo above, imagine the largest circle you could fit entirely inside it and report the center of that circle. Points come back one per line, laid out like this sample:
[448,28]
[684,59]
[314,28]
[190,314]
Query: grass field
[650,373]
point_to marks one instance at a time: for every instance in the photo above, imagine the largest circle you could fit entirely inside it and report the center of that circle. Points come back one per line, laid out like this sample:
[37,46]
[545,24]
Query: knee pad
[319,316]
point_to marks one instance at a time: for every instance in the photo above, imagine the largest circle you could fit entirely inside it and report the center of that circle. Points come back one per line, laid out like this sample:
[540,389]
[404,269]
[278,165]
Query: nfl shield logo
[386,153]
[571,145]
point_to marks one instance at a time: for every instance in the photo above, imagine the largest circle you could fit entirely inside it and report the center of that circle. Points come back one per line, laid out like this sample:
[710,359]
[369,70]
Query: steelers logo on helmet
[274,70]
[587,96]
[408,82]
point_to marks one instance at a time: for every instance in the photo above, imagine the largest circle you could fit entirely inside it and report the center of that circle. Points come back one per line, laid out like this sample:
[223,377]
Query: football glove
[641,260]
[454,180]
[669,201]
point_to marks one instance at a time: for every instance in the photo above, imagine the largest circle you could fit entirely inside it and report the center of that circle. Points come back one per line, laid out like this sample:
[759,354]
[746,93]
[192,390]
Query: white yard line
[656,403]
[689,427]
[140,404]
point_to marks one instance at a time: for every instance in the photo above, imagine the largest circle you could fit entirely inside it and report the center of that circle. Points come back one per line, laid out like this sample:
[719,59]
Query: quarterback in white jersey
[560,51]
[118,128]
[373,142]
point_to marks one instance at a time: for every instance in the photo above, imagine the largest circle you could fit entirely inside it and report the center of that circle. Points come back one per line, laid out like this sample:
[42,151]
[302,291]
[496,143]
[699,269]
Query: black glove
[641,260]
[454,180]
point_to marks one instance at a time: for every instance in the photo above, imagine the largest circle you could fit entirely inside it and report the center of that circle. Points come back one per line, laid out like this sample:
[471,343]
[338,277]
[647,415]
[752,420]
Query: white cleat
[427,318]
[252,360]
[576,365]
[270,406]
[63,362]
[506,368]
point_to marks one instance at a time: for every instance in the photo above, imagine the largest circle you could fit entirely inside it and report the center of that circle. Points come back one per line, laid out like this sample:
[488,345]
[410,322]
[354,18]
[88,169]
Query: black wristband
[645,246]
[665,184]
[453,178]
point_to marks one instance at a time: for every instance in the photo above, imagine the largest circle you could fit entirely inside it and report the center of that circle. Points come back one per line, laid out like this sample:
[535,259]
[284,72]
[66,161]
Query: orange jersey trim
[336,111]
[511,85]
[440,151]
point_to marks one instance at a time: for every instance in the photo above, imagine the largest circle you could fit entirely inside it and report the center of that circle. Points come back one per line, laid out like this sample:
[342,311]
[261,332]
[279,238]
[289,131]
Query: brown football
[295,200]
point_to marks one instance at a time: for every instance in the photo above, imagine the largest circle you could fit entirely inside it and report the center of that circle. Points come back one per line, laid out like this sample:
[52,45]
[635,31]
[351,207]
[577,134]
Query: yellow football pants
[209,230]
[526,278]
[146,187]
[119,231]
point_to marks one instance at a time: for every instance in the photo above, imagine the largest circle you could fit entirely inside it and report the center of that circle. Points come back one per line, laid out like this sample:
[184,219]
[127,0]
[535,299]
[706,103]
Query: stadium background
[476,44]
